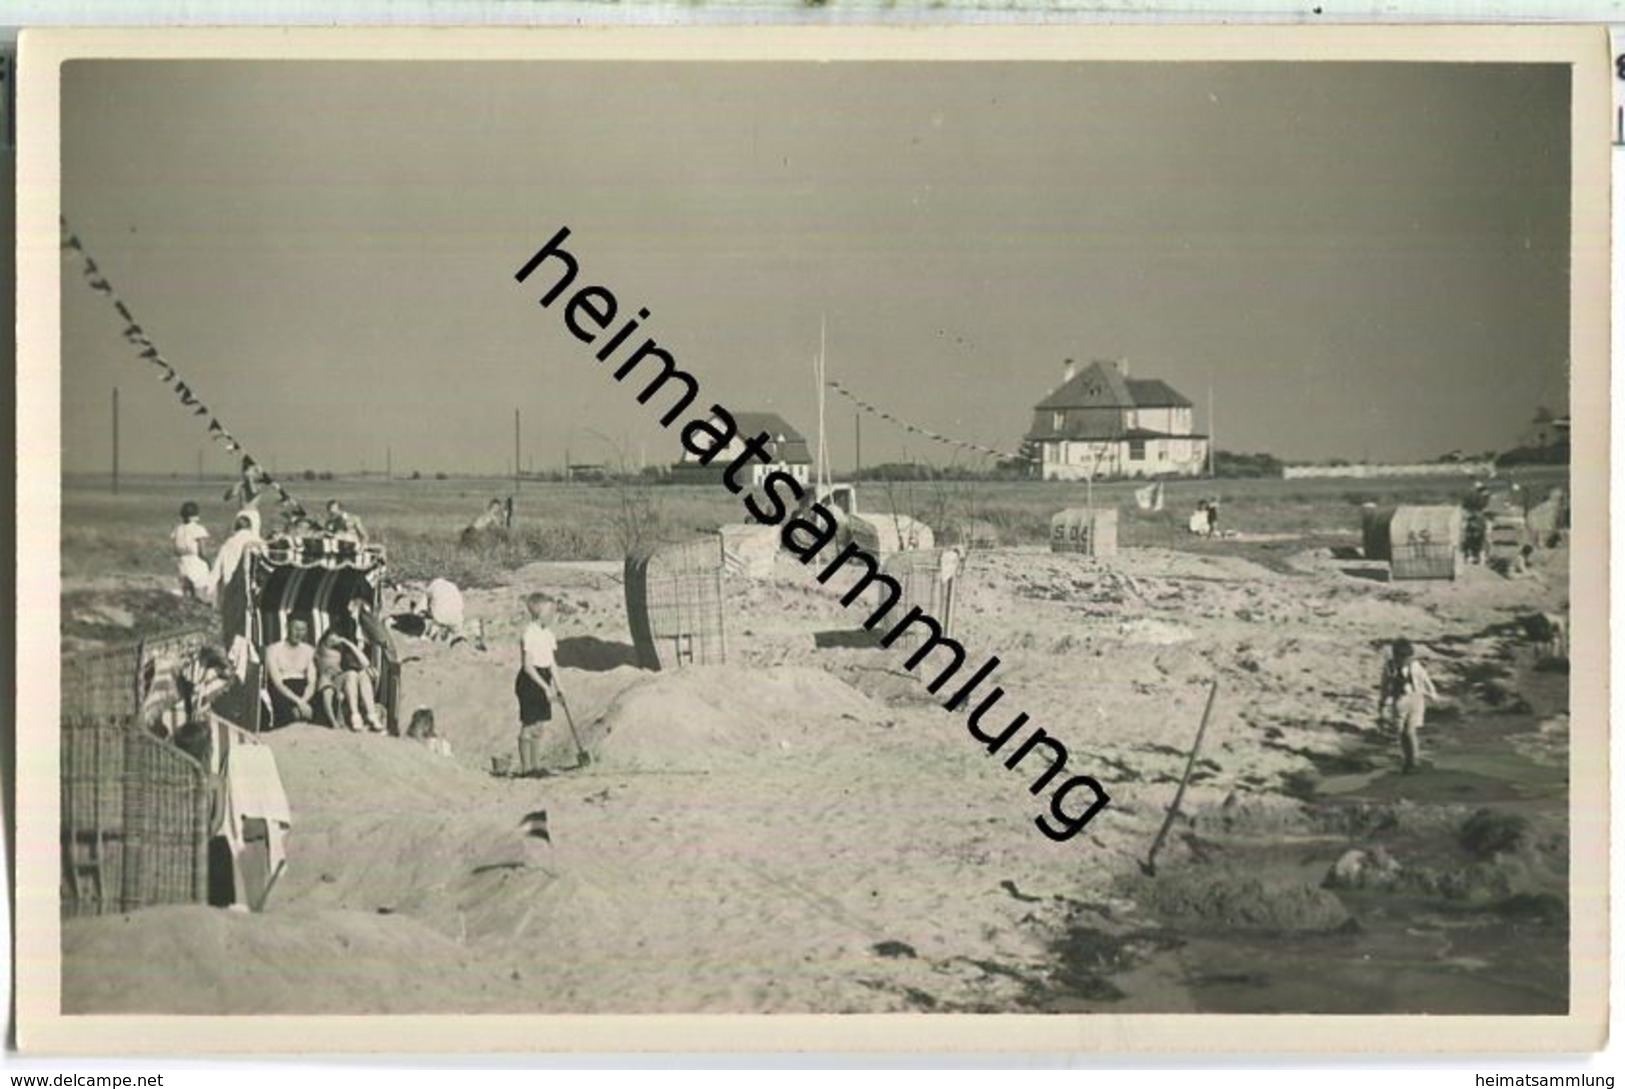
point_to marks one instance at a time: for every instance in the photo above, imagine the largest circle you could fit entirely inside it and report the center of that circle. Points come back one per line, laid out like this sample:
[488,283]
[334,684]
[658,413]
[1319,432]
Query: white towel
[255,785]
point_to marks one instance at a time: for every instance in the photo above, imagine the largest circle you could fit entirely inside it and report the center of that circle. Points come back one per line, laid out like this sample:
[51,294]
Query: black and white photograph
[863,526]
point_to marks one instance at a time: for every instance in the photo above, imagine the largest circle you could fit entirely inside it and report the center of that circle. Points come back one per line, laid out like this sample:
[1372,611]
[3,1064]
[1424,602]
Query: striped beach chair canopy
[312,578]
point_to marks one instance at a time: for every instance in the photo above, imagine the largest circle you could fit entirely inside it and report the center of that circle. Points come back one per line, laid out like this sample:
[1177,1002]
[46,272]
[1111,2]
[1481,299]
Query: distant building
[1103,424]
[1546,431]
[788,451]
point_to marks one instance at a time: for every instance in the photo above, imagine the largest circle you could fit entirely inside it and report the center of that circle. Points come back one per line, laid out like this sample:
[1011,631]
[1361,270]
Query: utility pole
[389,463]
[200,465]
[115,440]
[516,461]
[857,435]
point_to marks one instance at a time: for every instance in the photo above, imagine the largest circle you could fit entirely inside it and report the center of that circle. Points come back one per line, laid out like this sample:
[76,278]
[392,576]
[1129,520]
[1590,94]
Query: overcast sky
[1366,259]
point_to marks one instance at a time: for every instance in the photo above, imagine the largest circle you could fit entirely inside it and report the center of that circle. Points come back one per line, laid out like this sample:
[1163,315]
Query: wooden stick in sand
[582,757]
[1150,865]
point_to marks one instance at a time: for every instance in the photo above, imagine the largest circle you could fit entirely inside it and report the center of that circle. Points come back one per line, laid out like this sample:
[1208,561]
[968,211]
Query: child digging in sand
[535,686]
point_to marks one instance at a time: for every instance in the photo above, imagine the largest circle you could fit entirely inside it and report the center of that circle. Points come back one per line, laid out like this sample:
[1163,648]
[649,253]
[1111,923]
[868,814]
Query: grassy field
[420,521]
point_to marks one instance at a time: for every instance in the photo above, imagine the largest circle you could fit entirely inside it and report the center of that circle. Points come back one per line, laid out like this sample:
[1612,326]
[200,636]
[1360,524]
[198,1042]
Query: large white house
[786,447]
[1100,424]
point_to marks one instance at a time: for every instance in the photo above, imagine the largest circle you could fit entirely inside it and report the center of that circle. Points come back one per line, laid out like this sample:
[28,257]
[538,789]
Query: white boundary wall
[1366,472]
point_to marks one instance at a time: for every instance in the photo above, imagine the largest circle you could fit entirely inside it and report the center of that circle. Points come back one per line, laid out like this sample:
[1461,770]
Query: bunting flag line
[946,440]
[254,477]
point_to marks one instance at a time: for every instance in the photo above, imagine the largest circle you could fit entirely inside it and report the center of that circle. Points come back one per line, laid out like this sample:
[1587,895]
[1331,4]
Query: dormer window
[1057,420]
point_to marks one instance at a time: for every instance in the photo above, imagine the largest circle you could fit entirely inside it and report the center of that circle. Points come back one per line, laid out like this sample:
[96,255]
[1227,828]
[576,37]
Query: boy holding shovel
[535,685]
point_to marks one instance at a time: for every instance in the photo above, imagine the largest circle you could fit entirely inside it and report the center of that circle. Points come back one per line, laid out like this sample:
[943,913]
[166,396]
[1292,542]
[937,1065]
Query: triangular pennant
[215,428]
[135,332]
[101,285]
[201,410]
[91,267]
[150,353]
[73,243]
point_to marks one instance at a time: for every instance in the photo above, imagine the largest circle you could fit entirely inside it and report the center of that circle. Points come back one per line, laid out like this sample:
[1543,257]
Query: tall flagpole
[115,440]
[1212,432]
[822,483]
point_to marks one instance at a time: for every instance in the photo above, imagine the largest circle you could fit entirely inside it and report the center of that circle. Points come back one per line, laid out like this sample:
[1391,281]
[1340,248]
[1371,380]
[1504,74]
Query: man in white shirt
[290,666]
[534,685]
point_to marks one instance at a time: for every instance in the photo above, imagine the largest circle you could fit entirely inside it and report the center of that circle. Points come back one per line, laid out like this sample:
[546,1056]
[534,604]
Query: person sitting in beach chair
[290,667]
[344,685]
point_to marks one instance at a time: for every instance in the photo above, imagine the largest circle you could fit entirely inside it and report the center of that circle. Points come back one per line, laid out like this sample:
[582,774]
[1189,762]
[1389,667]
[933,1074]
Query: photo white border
[43,1029]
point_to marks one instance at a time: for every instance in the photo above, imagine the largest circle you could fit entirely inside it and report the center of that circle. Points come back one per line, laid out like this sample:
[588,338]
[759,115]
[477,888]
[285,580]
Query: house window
[1058,420]
[1162,452]
[1136,449]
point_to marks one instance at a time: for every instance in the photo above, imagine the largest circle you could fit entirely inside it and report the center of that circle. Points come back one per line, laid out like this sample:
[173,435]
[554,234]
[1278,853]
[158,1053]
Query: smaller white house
[787,449]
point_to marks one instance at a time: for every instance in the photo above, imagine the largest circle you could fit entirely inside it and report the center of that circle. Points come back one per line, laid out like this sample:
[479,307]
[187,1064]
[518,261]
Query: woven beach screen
[674,604]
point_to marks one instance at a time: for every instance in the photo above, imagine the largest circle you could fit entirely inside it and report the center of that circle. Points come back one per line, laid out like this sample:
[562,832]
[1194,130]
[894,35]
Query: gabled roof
[1155,393]
[789,445]
[1102,385]
[1099,385]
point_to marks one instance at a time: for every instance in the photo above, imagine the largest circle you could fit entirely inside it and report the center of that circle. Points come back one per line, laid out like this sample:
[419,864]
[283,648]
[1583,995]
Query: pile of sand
[713,716]
[383,825]
[199,960]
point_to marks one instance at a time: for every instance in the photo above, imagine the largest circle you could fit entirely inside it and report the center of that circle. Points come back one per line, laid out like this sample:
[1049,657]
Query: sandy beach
[804,829]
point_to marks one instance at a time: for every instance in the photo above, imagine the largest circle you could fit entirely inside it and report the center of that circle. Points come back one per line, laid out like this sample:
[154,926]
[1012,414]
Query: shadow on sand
[846,639]
[595,655]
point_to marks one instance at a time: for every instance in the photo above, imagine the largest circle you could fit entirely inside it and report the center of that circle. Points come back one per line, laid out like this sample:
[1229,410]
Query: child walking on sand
[1407,687]
[535,686]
